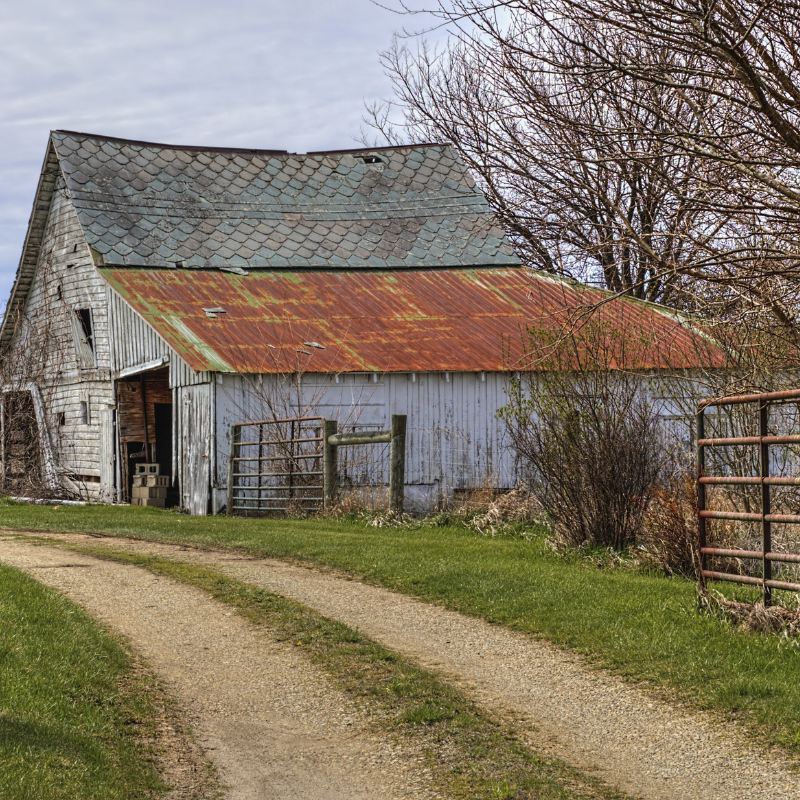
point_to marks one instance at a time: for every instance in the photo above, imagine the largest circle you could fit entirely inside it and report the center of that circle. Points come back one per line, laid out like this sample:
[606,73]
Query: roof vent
[211,313]
[373,162]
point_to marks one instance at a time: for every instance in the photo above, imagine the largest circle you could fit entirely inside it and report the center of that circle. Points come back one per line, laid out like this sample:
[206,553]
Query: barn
[166,292]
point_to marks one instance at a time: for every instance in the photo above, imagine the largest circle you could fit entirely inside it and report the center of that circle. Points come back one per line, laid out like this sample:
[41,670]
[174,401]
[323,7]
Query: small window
[83,335]
[62,419]
[85,316]
[84,412]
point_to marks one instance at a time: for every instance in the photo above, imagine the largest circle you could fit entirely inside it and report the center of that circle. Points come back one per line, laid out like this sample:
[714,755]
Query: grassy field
[644,627]
[74,714]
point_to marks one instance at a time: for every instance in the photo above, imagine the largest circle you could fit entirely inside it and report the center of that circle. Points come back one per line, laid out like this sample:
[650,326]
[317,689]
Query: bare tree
[656,140]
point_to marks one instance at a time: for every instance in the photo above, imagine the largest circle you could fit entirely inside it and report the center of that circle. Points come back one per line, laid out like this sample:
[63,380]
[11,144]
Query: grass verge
[471,755]
[644,627]
[79,717]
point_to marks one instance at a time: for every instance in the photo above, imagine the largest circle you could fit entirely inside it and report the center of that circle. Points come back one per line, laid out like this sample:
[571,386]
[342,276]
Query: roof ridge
[163,145]
[253,150]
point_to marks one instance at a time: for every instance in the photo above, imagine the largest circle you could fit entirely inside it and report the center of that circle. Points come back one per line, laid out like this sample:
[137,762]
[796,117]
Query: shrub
[588,440]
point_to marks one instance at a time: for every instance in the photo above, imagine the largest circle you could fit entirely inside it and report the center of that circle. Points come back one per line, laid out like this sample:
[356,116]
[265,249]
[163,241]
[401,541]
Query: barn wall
[137,345]
[453,442]
[65,280]
[133,342]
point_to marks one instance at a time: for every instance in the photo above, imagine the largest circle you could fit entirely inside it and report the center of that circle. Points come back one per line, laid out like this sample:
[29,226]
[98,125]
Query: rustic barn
[166,292]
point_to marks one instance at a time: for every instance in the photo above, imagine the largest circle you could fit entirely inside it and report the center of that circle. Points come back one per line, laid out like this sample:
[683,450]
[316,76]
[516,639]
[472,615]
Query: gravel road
[270,722]
[591,719]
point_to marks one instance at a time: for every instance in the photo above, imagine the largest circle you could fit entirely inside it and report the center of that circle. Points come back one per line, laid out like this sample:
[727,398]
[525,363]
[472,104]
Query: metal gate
[762,404]
[276,465]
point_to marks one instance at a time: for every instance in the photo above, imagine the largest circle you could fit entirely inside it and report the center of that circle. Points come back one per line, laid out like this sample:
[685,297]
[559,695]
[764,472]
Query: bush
[588,441]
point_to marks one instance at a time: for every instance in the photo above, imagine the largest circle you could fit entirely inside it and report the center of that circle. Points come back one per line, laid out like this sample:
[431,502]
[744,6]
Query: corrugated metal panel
[399,321]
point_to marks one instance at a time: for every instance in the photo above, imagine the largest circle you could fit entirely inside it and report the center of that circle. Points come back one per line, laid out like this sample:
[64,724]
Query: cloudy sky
[283,74]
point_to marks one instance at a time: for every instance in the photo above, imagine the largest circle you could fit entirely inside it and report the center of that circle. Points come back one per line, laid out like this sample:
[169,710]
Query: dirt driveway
[597,722]
[270,722]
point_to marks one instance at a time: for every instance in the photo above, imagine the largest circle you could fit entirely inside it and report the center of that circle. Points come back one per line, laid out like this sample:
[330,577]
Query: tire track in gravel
[591,719]
[270,722]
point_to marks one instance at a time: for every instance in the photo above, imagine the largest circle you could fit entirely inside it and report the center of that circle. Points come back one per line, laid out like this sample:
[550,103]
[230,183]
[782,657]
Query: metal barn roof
[156,205]
[402,321]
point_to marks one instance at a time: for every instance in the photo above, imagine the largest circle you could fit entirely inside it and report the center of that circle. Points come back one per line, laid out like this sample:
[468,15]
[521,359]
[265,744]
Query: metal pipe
[789,394]
[743,516]
[738,440]
[766,526]
[144,415]
[750,581]
[753,481]
[788,558]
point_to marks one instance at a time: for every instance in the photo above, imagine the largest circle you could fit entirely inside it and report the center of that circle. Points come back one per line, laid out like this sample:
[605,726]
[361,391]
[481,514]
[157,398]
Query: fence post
[329,466]
[766,527]
[701,493]
[236,434]
[397,474]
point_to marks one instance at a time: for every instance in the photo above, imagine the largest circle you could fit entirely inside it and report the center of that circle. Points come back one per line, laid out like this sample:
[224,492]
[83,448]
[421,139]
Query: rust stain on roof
[384,321]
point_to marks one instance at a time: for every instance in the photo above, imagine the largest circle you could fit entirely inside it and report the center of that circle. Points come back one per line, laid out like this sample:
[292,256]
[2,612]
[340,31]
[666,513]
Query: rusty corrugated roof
[386,321]
[157,205]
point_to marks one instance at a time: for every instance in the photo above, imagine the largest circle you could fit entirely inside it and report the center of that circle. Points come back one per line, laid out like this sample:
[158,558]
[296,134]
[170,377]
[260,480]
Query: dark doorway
[162,413]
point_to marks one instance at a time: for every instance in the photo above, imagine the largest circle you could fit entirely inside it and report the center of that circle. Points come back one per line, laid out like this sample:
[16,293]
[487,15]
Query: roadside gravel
[270,722]
[593,720]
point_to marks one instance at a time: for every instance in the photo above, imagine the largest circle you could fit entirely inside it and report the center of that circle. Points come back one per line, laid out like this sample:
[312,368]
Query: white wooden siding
[195,436]
[66,280]
[133,341]
[454,440]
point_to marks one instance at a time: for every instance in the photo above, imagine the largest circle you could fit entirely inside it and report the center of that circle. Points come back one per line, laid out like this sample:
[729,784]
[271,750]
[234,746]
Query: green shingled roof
[156,205]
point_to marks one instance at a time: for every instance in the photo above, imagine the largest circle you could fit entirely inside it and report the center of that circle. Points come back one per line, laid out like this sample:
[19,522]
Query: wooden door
[195,456]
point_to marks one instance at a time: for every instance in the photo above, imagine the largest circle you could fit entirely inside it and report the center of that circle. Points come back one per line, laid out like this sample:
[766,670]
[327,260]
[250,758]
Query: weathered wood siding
[454,439]
[133,342]
[195,444]
[65,280]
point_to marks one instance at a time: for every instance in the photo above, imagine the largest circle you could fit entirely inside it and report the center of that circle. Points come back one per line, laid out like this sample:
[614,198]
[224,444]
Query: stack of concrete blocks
[149,486]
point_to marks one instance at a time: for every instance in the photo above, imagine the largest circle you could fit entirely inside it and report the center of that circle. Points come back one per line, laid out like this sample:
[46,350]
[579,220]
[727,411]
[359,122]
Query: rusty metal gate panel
[766,519]
[276,466]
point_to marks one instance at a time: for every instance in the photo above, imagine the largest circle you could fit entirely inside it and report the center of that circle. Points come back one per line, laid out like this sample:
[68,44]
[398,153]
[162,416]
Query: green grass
[469,753]
[644,627]
[74,713]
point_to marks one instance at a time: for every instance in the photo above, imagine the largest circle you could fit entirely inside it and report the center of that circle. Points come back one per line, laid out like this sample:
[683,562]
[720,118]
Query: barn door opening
[20,450]
[162,419]
[145,426]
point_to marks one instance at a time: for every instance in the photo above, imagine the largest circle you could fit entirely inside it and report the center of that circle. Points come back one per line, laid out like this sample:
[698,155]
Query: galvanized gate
[762,404]
[276,465]
[291,464]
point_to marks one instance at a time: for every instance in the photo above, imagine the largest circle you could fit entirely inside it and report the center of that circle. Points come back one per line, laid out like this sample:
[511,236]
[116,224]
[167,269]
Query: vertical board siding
[195,436]
[454,439]
[133,341]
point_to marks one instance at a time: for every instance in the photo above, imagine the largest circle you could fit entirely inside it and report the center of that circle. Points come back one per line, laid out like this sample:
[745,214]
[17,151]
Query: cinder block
[151,480]
[149,491]
[148,469]
[158,502]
